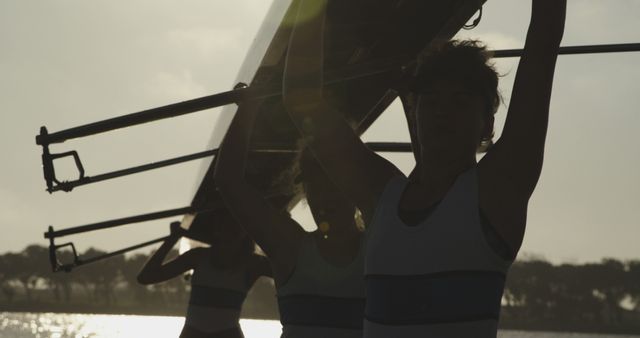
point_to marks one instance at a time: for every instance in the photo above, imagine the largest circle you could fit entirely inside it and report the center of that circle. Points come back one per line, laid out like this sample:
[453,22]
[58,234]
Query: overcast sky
[68,62]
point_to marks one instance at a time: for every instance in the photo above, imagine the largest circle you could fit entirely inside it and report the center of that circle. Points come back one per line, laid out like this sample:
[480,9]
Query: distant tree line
[108,286]
[592,297]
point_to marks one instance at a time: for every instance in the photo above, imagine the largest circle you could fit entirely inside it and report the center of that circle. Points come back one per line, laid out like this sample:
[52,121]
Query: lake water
[51,325]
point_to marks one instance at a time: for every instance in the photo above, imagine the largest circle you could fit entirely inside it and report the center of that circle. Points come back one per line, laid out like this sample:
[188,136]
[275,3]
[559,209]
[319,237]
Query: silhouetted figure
[222,276]
[440,243]
[319,274]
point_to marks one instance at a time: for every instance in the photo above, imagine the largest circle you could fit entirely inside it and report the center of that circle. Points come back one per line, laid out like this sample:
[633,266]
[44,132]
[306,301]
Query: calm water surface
[51,325]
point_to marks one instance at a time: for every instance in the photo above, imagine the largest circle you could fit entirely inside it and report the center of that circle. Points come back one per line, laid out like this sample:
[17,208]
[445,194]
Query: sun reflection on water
[51,325]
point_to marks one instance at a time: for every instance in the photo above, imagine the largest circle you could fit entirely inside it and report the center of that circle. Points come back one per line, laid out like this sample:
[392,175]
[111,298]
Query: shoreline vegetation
[601,297]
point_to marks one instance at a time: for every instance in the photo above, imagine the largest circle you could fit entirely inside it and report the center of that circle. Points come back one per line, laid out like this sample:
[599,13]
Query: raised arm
[361,173]
[154,271]
[273,230]
[511,169]
[520,149]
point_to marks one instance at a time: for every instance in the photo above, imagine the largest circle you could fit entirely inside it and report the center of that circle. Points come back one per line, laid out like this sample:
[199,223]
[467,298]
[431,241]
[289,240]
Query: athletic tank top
[320,299]
[439,278]
[216,297]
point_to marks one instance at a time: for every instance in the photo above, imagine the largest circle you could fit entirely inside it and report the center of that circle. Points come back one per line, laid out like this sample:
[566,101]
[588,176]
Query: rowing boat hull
[362,37]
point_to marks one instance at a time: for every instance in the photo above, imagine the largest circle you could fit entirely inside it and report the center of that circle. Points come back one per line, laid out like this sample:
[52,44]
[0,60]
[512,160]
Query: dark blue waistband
[216,297]
[322,311]
[435,298]
[191,332]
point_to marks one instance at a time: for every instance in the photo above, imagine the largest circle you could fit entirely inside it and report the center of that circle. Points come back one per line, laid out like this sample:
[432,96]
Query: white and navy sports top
[321,300]
[439,278]
[217,296]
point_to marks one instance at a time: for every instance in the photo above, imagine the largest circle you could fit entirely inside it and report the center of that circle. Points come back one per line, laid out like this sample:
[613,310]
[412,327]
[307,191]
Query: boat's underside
[367,43]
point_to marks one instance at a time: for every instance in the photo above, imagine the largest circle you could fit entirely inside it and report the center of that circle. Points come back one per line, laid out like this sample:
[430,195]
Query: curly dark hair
[467,60]
[304,166]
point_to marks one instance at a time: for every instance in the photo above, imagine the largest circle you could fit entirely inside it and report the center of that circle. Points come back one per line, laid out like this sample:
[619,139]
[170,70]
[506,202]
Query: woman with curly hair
[319,274]
[440,242]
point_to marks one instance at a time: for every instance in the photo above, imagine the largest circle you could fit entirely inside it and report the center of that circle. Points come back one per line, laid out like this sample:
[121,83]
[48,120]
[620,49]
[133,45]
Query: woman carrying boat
[319,274]
[439,243]
[222,276]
